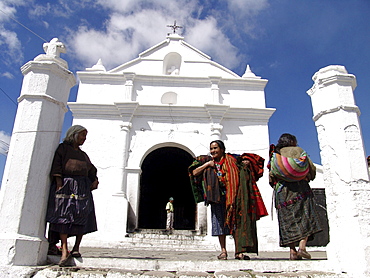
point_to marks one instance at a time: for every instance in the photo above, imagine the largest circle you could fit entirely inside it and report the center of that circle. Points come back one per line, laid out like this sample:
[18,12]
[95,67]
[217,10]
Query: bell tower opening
[164,175]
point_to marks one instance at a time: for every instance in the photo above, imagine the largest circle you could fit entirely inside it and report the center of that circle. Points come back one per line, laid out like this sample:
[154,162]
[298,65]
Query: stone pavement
[118,262]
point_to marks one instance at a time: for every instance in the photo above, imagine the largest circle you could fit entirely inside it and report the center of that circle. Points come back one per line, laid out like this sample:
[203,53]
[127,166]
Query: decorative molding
[336,109]
[207,113]
[45,67]
[44,97]
[337,78]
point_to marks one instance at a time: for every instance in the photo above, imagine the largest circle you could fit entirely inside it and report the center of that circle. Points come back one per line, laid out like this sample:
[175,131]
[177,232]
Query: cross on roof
[174,27]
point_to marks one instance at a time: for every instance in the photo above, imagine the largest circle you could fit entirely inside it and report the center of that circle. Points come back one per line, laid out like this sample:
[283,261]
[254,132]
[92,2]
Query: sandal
[64,262]
[222,256]
[303,254]
[76,254]
[294,256]
[241,256]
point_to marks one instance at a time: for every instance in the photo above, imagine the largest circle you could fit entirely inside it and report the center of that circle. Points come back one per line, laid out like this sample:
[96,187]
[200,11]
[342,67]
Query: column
[36,134]
[129,86]
[215,90]
[125,129]
[346,177]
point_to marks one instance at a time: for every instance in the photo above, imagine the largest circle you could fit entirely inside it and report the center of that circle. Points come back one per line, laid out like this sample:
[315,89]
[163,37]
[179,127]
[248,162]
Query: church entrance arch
[164,175]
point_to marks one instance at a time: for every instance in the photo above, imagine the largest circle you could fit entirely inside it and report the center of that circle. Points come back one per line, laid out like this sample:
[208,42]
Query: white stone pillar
[36,134]
[129,85]
[346,177]
[216,96]
[125,129]
[133,193]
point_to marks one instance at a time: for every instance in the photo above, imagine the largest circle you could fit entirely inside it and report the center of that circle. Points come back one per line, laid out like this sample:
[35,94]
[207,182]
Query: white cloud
[119,5]
[124,36]
[247,7]
[131,28]
[206,36]
[4,142]
[9,41]
[40,10]
[8,75]
[11,47]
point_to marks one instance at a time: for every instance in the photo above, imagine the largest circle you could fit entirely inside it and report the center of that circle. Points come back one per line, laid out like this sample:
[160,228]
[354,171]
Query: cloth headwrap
[72,131]
[289,169]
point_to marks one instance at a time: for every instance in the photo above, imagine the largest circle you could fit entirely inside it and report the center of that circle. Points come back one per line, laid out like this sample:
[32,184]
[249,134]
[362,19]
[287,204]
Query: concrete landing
[118,262]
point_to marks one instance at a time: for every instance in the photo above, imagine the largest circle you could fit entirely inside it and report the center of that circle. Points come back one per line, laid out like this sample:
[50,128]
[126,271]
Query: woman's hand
[246,162]
[94,185]
[200,169]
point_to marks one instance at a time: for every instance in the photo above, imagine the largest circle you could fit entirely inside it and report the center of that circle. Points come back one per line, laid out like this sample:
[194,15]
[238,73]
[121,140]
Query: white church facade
[146,120]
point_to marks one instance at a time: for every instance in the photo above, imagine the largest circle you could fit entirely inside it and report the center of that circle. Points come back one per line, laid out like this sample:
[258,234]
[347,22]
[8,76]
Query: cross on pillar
[174,27]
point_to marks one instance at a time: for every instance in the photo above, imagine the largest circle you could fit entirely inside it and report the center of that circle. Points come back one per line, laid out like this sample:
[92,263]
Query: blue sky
[283,41]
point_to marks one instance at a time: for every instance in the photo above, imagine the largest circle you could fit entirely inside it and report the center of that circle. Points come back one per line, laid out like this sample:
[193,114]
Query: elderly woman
[71,207]
[290,172]
[228,183]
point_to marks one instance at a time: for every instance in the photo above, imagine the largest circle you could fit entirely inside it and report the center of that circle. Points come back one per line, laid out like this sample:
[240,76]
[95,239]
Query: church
[148,118]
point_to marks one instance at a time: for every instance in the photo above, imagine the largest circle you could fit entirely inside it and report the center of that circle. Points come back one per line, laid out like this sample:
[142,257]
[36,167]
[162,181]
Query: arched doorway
[165,174]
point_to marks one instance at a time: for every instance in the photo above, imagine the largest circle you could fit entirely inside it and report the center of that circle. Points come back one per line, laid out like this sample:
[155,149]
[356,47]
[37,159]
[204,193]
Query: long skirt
[71,209]
[297,215]
[218,217]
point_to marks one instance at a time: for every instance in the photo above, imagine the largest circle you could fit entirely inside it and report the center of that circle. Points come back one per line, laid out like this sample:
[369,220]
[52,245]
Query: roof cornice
[207,113]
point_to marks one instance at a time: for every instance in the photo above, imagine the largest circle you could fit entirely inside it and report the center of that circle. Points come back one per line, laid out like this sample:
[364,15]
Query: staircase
[175,240]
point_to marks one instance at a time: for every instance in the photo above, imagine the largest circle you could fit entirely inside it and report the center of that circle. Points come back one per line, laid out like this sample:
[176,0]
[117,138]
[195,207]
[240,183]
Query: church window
[171,64]
[169,98]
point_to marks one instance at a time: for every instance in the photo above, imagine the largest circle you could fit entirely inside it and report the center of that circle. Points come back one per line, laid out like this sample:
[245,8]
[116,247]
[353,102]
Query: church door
[164,175]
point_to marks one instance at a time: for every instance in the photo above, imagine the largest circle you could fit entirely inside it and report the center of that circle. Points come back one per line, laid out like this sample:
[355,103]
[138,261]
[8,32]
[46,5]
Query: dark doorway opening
[164,175]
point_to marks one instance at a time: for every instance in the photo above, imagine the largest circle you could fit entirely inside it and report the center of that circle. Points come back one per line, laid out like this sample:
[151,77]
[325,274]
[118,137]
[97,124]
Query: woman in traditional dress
[228,183]
[71,207]
[290,172]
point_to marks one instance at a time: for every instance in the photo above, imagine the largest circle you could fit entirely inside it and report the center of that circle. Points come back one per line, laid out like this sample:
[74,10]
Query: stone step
[128,263]
[119,262]
[177,240]
[78,272]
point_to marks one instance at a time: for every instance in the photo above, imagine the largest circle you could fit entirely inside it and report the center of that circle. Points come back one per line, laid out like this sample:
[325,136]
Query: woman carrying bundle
[228,183]
[290,173]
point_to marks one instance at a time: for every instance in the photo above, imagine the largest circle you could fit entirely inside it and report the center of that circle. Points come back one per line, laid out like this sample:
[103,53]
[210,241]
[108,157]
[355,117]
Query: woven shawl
[289,169]
[230,178]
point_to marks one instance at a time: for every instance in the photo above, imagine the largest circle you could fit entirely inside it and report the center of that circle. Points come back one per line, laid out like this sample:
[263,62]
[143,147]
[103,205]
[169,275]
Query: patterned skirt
[297,215]
[218,217]
[71,209]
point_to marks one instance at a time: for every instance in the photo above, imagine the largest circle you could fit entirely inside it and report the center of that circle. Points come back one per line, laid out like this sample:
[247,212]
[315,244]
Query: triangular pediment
[175,57]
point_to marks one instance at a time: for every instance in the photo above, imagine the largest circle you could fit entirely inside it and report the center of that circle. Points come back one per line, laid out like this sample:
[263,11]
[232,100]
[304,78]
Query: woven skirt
[218,217]
[296,211]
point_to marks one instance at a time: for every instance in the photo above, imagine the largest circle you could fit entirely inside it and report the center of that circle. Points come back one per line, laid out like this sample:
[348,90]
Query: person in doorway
[290,172]
[228,184]
[170,214]
[71,209]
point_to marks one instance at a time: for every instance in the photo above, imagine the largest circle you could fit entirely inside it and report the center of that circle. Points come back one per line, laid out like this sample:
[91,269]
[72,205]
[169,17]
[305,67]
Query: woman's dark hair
[285,140]
[220,144]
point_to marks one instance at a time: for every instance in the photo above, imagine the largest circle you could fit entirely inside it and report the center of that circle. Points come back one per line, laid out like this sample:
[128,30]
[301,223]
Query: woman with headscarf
[290,172]
[71,207]
[228,183]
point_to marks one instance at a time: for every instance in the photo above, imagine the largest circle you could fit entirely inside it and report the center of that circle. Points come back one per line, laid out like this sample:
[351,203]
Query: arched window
[172,64]
[169,98]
